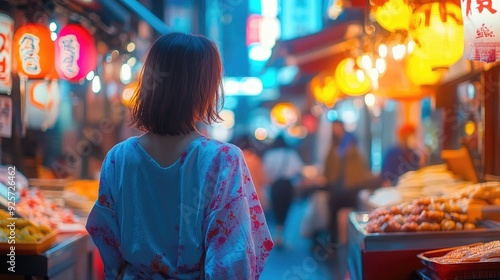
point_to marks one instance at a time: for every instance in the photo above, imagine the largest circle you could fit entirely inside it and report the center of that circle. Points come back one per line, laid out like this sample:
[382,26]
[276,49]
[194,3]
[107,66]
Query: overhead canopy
[319,51]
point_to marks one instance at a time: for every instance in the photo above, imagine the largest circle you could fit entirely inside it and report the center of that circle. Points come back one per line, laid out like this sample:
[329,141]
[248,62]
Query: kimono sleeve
[237,239]
[102,223]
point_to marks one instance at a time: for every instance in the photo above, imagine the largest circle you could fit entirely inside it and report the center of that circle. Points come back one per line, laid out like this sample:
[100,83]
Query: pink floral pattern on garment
[174,223]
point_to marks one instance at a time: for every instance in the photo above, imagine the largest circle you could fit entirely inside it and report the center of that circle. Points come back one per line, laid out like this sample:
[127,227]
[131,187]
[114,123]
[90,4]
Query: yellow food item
[25,231]
[86,188]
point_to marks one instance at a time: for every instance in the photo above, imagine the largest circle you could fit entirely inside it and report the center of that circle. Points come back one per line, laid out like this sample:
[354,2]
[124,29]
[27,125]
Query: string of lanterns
[429,37]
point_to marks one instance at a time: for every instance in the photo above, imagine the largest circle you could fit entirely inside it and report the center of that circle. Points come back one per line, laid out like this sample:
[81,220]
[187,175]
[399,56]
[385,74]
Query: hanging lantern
[6,33]
[128,92]
[284,114]
[437,28]
[481,30]
[324,89]
[393,15]
[350,80]
[76,54]
[42,104]
[420,72]
[33,51]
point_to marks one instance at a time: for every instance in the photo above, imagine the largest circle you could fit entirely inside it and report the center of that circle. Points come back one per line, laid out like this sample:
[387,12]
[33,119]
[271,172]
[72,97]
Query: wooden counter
[71,257]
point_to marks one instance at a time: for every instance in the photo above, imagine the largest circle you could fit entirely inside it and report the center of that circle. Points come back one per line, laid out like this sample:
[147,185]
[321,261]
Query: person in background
[283,166]
[346,172]
[175,204]
[401,158]
[255,167]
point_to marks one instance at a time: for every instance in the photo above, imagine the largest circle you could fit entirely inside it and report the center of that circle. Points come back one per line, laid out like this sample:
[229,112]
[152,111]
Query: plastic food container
[458,271]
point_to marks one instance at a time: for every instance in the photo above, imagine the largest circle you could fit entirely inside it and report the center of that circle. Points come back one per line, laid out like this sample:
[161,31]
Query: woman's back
[168,217]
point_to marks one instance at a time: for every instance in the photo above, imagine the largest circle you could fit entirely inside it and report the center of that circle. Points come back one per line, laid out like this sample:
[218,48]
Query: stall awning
[315,52]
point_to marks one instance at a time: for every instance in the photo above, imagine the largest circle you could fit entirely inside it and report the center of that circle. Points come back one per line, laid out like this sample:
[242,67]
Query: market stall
[49,236]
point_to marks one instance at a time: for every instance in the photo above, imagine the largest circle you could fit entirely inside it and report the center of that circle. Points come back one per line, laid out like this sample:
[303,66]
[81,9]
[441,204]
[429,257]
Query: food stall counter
[70,257]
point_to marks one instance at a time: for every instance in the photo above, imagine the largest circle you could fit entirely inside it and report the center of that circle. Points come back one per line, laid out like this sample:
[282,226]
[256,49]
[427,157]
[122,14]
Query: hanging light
[393,15]
[347,80]
[382,50]
[437,29]
[481,30]
[380,65]
[128,93]
[284,114]
[419,71]
[96,84]
[6,33]
[398,51]
[324,89]
[33,51]
[76,53]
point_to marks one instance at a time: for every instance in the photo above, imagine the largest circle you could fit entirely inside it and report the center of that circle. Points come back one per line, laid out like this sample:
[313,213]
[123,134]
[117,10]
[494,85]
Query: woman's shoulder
[218,148]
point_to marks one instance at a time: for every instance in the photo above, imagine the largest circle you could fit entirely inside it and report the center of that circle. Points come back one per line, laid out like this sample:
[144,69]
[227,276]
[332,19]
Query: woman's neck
[166,149]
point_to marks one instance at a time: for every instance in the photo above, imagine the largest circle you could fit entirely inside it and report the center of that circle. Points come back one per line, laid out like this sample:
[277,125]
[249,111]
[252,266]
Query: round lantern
[284,114]
[128,93]
[348,79]
[33,51]
[437,28]
[419,71]
[76,54]
[324,89]
[6,33]
[393,15]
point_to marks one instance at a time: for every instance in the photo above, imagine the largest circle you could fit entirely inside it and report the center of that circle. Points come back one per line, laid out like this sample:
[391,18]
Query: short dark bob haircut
[180,84]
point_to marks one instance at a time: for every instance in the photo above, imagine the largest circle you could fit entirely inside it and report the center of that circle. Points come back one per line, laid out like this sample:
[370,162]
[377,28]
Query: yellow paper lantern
[128,92]
[284,114]
[393,15]
[437,28]
[419,71]
[324,89]
[350,80]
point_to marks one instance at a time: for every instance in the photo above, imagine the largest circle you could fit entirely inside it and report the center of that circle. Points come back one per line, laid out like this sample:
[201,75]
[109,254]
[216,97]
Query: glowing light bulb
[366,62]
[381,65]
[382,50]
[360,75]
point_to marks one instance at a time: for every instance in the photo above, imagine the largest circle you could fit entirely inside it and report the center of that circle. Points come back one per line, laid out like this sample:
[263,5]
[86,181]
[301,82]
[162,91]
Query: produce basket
[458,271]
[30,248]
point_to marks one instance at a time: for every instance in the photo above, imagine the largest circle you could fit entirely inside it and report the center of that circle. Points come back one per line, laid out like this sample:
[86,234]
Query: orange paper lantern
[284,114]
[33,51]
[324,89]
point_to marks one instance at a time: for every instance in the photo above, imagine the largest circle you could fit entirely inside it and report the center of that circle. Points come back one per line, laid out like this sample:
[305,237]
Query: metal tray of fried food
[387,241]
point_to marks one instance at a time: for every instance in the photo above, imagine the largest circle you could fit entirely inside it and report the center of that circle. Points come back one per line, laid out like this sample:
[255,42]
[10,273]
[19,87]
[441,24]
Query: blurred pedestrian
[347,172]
[174,203]
[400,158]
[255,167]
[283,166]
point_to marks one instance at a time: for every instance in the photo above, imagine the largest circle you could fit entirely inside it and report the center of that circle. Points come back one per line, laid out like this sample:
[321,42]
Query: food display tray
[458,271]
[30,248]
[371,254]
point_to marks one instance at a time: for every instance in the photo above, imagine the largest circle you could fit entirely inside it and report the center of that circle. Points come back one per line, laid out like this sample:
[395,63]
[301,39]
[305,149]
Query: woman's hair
[179,85]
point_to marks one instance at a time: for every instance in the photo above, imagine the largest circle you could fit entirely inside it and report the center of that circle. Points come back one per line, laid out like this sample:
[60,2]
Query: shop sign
[5,116]
[6,33]
[42,104]
[481,29]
